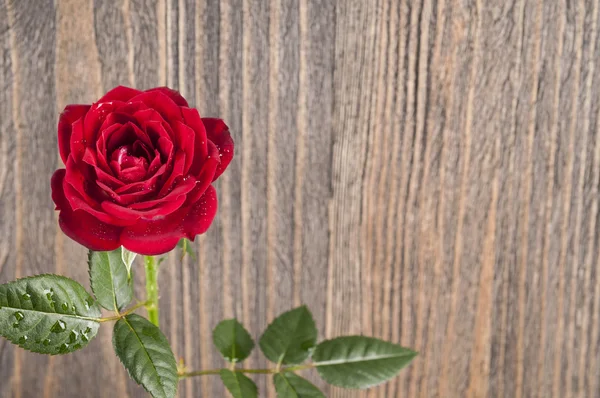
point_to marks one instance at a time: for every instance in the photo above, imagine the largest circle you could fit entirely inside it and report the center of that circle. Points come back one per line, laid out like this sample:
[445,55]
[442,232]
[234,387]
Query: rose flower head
[139,168]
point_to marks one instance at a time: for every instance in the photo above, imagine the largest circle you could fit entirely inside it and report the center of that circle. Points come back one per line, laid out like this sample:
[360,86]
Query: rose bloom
[139,168]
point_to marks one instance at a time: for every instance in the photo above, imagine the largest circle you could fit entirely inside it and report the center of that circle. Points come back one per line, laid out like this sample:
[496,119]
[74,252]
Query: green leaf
[109,279]
[128,257]
[360,362]
[290,385]
[291,337]
[146,354]
[232,340]
[48,314]
[186,248]
[238,385]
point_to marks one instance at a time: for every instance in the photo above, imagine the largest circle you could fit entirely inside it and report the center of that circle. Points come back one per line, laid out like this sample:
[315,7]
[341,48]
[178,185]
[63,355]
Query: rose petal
[120,93]
[78,203]
[218,132]
[160,236]
[205,177]
[77,141]
[108,179]
[182,189]
[128,213]
[162,103]
[71,114]
[174,95]
[192,119]
[176,173]
[79,225]
[185,140]
[123,199]
[95,117]
[200,215]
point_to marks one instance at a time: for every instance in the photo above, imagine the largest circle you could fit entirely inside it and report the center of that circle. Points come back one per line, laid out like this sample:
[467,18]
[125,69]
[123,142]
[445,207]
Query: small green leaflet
[290,385]
[48,314]
[359,362]
[128,258]
[146,354]
[232,340]
[186,248]
[291,337]
[239,385]
[110,279]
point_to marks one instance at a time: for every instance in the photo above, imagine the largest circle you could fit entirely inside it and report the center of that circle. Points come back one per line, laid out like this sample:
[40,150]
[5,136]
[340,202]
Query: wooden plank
[8,185]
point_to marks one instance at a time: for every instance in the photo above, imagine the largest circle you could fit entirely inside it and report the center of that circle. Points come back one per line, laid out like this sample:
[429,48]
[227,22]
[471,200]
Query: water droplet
[16,325]
[65,306]
[77,346]
[87,330]
[23,339]
[63,349]
[73,337]
[84,338]
[73,308]
[49,294]
[19,315]
[59,327]
[88,303]
[26,297]
[46,342]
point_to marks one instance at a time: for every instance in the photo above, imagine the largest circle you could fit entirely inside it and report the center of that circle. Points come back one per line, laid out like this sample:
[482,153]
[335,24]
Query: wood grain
[425,172]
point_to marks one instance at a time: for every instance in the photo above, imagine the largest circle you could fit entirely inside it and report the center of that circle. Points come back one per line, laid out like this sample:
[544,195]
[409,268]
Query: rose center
[130,162]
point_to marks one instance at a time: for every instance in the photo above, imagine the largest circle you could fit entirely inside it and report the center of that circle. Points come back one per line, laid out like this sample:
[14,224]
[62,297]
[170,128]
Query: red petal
[128,213]
[162,103]
[205,177]
[95,117]
[120,93]
[71,114]
[192,119]
[182,189]
[160,236]
[77,141]
[201,214]
[174,95]
[175,173]
[78,203]
[185,140]
[79,225]
[123,199]
[218,132]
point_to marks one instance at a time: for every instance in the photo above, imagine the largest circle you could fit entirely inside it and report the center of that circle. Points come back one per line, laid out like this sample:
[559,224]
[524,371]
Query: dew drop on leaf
[23,339]
[63,349]
[46,342]
[19,315]
[65,306]
[59,327]
[26,296]
[73,337]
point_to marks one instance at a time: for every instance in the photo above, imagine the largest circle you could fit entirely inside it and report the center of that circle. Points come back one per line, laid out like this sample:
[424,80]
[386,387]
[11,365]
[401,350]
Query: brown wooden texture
[423,171]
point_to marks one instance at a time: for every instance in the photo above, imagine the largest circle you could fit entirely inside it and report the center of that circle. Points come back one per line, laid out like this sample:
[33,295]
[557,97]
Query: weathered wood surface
[424,171]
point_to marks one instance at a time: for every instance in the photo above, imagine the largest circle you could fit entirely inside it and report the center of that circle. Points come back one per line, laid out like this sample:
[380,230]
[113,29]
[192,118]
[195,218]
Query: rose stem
[152,289]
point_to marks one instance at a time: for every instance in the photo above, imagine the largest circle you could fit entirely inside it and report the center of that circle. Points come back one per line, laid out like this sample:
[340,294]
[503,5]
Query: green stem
[183,375]
[152,289]
[123,314]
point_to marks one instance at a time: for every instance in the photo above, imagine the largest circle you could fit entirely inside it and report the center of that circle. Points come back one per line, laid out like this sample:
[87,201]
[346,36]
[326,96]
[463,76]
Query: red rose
[139,168]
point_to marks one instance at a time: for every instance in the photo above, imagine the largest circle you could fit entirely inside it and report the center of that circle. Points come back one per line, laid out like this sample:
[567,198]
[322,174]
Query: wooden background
[423,171]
